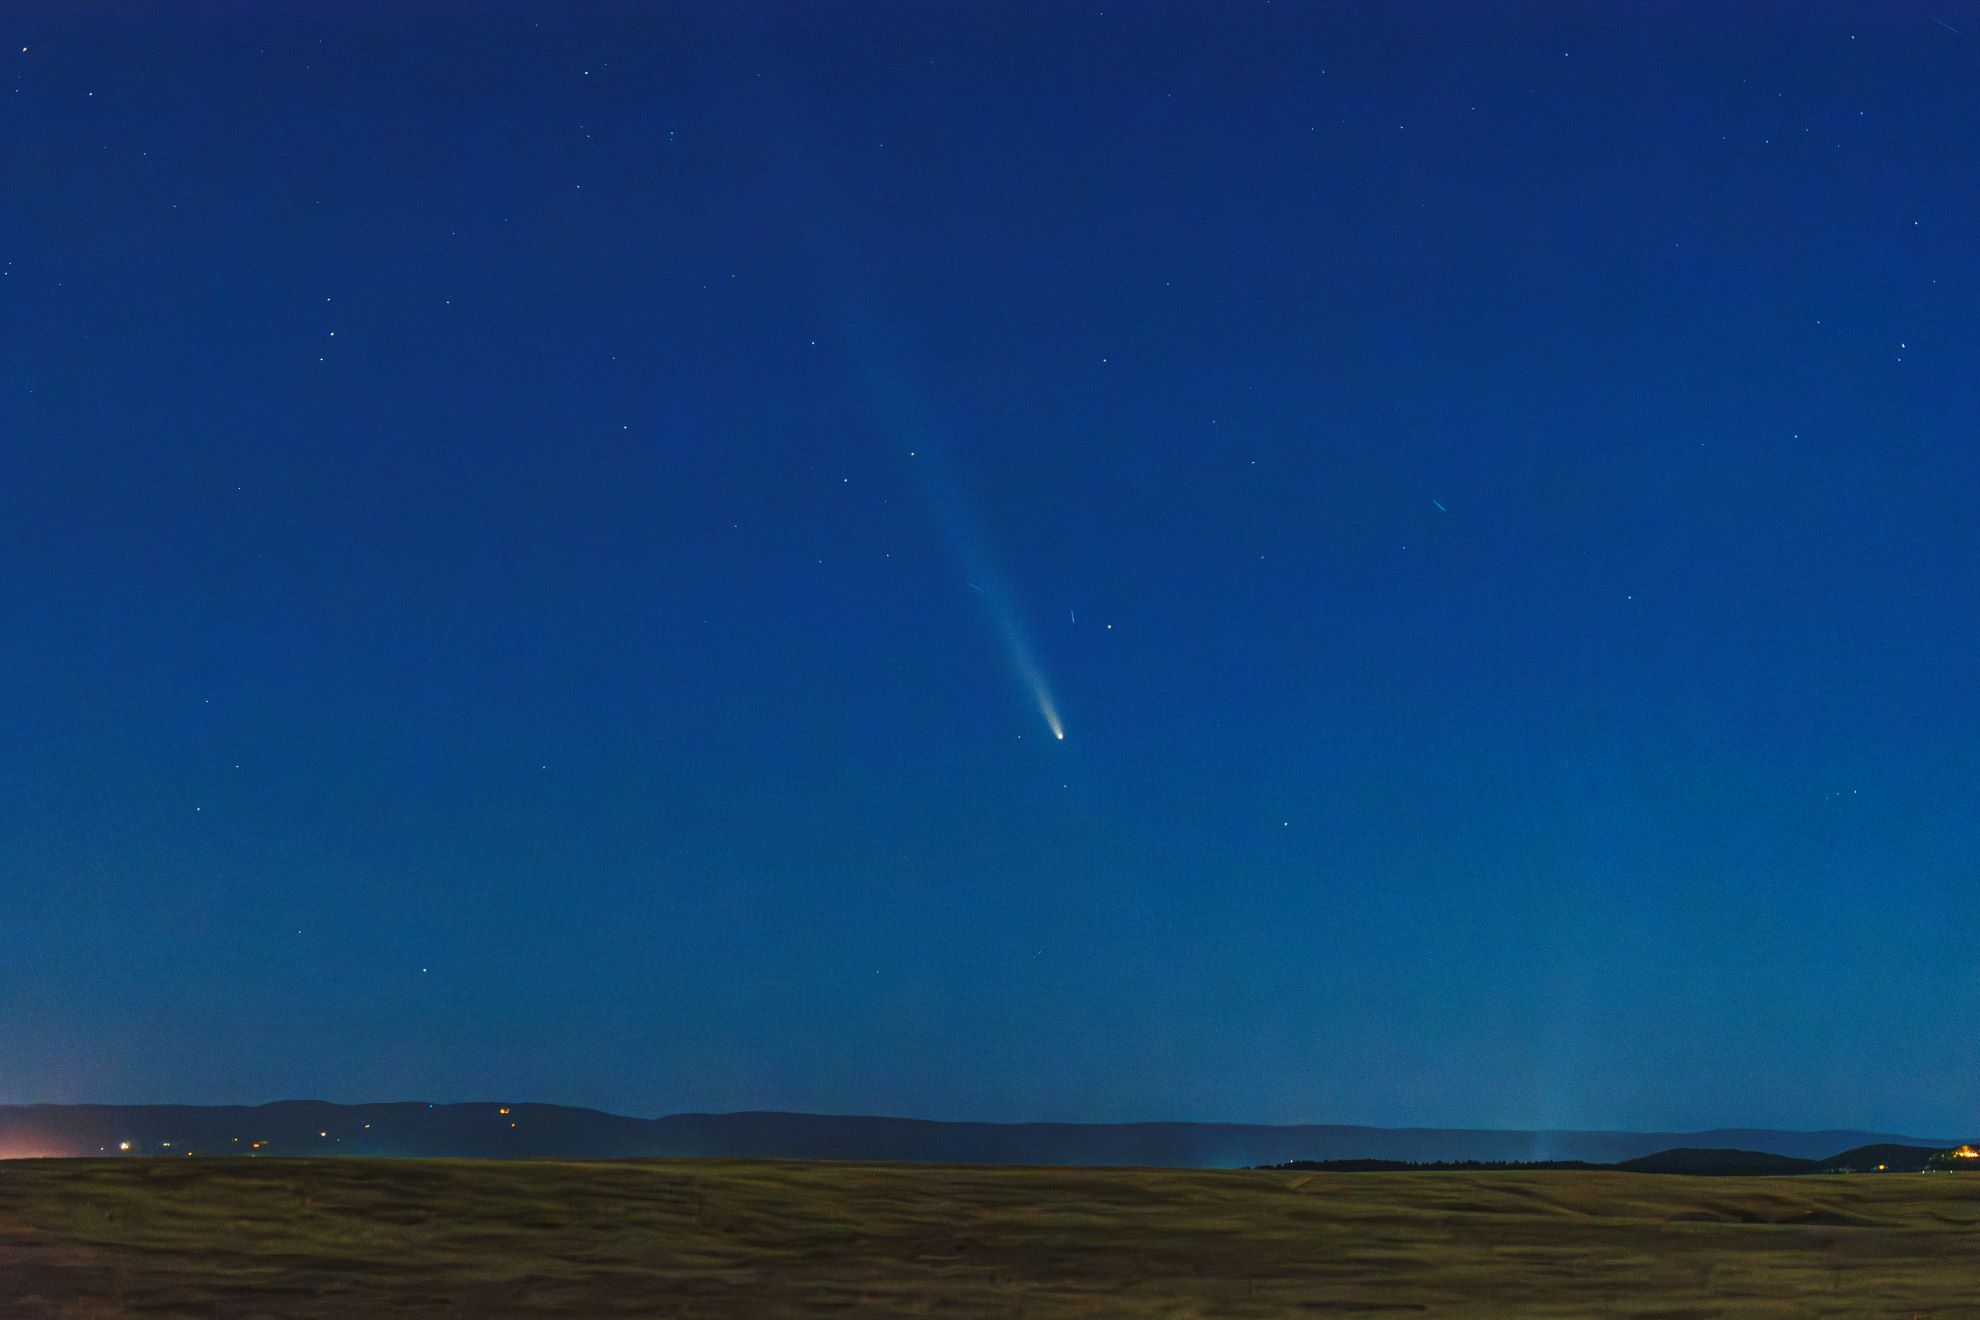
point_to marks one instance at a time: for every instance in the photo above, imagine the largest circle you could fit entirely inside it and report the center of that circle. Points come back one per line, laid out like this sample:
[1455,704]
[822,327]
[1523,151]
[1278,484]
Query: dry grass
[358,1238]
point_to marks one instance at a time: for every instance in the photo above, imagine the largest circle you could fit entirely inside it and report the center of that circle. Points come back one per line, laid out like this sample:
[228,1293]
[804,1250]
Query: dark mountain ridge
[1718,1162]
[495,1129]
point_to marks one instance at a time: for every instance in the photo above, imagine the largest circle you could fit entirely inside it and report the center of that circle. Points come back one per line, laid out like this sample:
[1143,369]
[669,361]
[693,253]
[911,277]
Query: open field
[357,1238]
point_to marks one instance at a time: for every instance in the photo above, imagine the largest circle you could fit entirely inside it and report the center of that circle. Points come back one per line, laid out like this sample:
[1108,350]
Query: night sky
[541,550]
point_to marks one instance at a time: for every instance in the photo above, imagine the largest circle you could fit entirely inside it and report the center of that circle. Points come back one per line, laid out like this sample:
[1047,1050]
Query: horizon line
[944,1122]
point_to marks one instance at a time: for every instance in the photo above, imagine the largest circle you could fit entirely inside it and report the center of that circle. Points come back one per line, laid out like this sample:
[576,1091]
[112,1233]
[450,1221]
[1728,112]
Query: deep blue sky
[490,498]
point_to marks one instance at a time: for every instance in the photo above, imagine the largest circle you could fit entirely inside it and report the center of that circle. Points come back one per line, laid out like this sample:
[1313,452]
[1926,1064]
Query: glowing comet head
[1046,707]
[1028,670]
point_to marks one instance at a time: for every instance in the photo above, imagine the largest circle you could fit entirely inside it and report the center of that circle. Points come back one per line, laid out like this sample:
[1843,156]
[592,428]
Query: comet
[1024,660]
[1017,644]
[906,413]
[1049,711]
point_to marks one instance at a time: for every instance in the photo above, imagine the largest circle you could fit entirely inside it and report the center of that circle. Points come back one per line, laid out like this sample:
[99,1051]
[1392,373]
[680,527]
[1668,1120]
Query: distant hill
[1436,1166]
[1691,1160]
[1720,1162]
[497,1129]
[1888,1158]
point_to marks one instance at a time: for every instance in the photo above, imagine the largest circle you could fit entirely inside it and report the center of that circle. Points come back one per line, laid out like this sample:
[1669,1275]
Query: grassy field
[361,1238]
